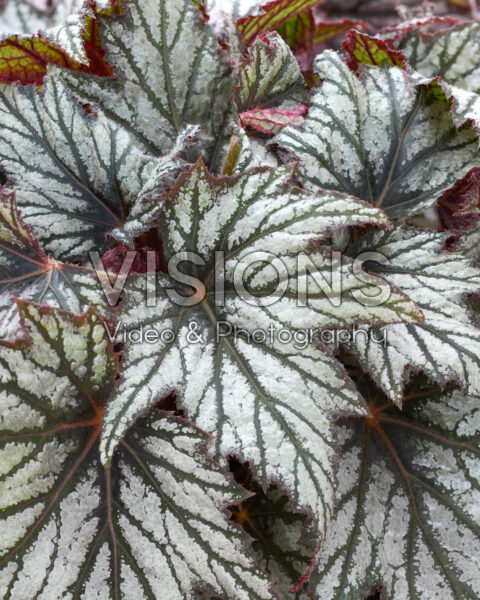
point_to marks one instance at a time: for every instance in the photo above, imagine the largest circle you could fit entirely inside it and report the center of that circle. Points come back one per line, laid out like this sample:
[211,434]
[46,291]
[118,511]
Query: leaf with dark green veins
[270,16]
[447,346]
[379,137]
[452,54]
[407,503]
[154,521]
[447,56]
[283,538]
[270,76]
[169,71]
[362,49]
[76,176]
[468,243]
[26,272]
[268,403]
[298,32]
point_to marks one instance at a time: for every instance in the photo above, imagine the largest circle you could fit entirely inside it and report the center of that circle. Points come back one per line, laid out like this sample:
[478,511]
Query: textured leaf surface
[270,16]
[408,497]
[245,152]
[306,35]
[169,73]
[363,49]
[272,120]
[447,346]
[71,528]
[270,76]
[27,273]
[459,213]
[468,243]
[75,176]
[253,396]
[283,540]
[459,207]
[19,17]
[452,55]
[380,138]
[66,36]
[298,32]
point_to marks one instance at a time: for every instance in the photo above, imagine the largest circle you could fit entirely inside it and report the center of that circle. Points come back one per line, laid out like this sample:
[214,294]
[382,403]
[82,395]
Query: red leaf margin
[24,59]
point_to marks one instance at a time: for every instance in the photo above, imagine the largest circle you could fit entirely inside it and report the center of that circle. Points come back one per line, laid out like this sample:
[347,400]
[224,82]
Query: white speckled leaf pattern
[270,76]
[451,54]
[379,137]
[469,243]
[251,152]
[271,404]
[75,176]
[408,501]
[27,273]
[169,73]
[447,346]
[153,526]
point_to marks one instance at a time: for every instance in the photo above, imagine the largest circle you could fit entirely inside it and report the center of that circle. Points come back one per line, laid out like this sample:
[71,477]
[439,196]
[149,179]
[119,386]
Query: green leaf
[252,153]
[154,521]
[362,49]
[447,346]
[270,76]
[379,137]
[468,243]
[170,72]
[268,403]
[283,539]
[299,32]
[407,503]
[270,16]
[28,273]
[75,176]
[451,55]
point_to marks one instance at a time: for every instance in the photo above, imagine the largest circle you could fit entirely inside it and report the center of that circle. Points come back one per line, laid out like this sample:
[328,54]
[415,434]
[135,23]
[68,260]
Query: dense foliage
[294,412]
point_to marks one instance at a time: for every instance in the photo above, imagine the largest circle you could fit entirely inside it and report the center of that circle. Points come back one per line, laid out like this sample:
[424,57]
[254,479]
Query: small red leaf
[113,259]
[272,120]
